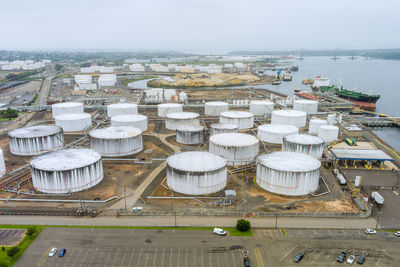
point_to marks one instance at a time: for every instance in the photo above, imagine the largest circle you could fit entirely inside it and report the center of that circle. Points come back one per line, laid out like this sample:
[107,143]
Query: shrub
[30,231]
[12,251]
[243,225]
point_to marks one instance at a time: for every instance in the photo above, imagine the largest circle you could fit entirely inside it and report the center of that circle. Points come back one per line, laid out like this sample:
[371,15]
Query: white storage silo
[121,109]
[328,133]
[243,119]
[261,107]
[288,173]
[2,164]
[66,170]
[74,122]
[215,108]
[182,96]
[35,140]
[173,120]
[164,109]
[308,106]
[66,108]
[217,128]
[116,141]
[237,148]
[315,124]
[190,134]
[291,117]
[137,121]
[274,133]
[331,118]
[305,144]
[196,173]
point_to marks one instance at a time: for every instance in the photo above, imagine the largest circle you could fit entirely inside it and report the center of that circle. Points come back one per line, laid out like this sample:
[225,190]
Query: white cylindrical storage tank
[304,143]
[74,122]
[243,119]
[215,108]
[237,148]
[291,117]
[190,134]
[288,173]
[164,109]
[196,173]
[137,121]
[182,96]
[116,141]
[66,108]
[2,164]
[274,133]
[35,140]
[308,106]
[331,119]
[261,107]
[315,124]
[66,170]
[173,120]
[217,128]
[328,133]
[121,109]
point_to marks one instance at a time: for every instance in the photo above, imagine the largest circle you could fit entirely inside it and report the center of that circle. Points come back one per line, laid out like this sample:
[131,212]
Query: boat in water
[307,95]
[307,81]
[287,77]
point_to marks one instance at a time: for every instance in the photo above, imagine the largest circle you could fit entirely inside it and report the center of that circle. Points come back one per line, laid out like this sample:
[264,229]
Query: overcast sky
[200,25]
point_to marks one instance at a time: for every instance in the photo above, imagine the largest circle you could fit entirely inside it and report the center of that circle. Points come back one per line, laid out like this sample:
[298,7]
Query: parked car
[370,231]
[134,209]
[397,233]
[62,252]
[351,259]
[53,251]
[341,257]
[219,231]
[246,262]
[361,259]
[298,257]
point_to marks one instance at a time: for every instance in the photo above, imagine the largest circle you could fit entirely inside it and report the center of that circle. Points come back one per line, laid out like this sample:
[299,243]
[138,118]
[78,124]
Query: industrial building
[174,120]
[121,109]
[305,144]
[243,119]
[290,117]
[274,133]
[190,134]
[137,121]
[66,108]
[74,122]
[106,80]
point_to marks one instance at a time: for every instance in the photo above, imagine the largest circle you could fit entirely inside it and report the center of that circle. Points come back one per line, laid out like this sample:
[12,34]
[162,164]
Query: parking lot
[126,247]
[11,237]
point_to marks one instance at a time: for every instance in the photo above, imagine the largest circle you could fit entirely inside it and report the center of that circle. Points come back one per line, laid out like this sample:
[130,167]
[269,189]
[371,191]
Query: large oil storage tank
[166,108]
[305,144]
[2,164]
[237,148]
[74,122]
[214,108]
[35,140]
[196,173]
[315,124]
[116,141]
[174,120]
[190,134]
[308,106]
[274,133]
[261,107]
[66,170]
[328,133]
[137,121]
[217,128]
[291,117]
[121,109]
[288,173]
[243,119]
[66,108]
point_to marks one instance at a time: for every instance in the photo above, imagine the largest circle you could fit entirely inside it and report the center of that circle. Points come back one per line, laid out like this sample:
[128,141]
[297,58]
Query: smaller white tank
[331,119]
[315,124]
[290,117]
[2,164]
[304,144]
[190,134]
[121,109]
[173,120]
[215,108]
[182,96]
[137,121]
[261,107]
[274,133]
[328,133]
[74,122]
[308,106]
[66,108]
[217,128]
[243,119]
[164,109]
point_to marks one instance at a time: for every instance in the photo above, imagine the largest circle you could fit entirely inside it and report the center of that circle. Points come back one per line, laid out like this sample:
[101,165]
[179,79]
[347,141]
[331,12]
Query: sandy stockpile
[216,79]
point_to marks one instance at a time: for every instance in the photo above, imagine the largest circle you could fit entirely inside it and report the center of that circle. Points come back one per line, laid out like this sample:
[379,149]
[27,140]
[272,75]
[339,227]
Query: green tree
[12,251]
[243,225]
[31,231]
[59,67]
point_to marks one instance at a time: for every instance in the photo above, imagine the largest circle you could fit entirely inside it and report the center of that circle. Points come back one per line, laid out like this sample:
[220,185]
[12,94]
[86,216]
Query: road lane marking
[140,254]
[284,256]
[170,258]
[84,257]
[147,256]
[155,257]
[123,258]
[162,258]
[130,261]
[226,260]
[43,258]
[315,258]
[258,257]
[116,256]
[378,260]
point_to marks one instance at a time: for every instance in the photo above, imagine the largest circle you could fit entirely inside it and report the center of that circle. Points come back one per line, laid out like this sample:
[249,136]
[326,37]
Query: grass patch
[235,232]
[7,119]
[283,232]
[111,227]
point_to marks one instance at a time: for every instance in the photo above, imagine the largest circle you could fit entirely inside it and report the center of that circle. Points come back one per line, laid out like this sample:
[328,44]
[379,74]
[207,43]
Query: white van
[219,231]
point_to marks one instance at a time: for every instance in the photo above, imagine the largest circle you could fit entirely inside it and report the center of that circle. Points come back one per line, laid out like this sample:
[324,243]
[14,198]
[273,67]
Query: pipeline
[58,200]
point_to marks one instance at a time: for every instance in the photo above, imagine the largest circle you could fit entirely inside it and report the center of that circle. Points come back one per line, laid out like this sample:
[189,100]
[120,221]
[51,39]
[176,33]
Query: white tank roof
[190,128]
[236,114]
[115,132]
[216,103]
[329,127]
[261,102]
[65,159]
[278,128]
[304,139]
[306,101]
[233,139]
[122,105]
[169,105]
[224,126]
[73,116]
[67,104]
[196,161]
[289,161]
[289,113]
[35,131]
[129,118]
[182,115]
